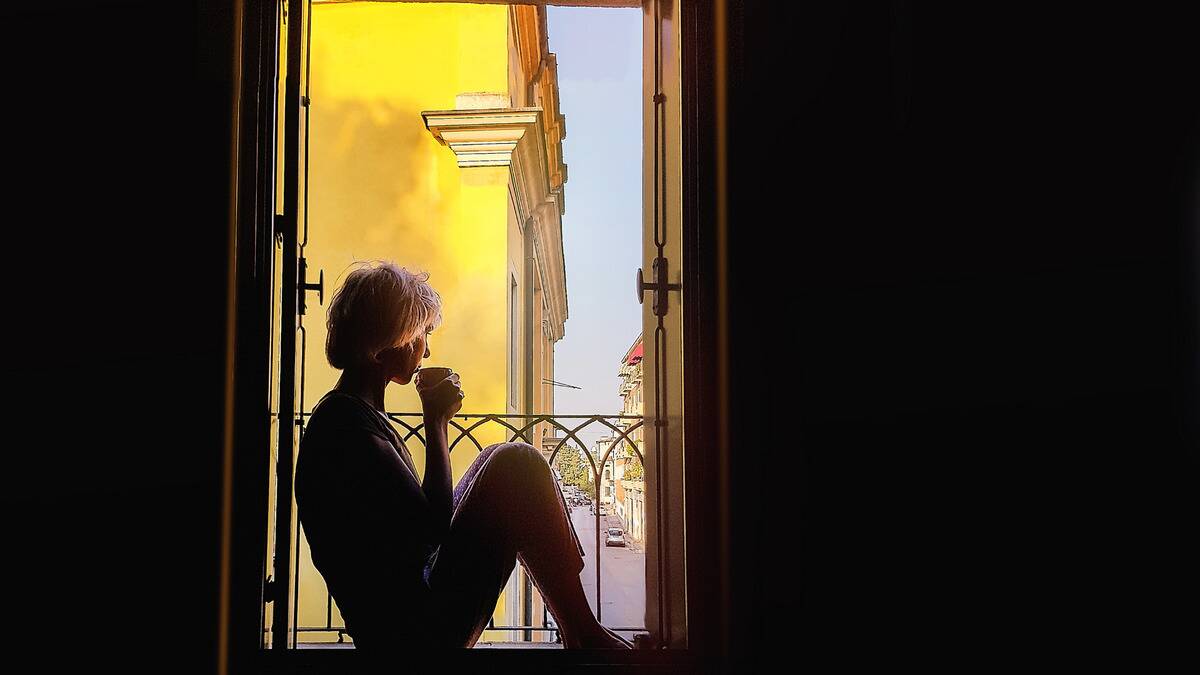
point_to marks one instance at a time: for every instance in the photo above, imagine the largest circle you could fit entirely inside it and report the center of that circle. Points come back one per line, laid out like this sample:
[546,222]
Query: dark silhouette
[409,562]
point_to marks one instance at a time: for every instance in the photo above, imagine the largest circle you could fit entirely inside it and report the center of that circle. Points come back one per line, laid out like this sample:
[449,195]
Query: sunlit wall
[382,187]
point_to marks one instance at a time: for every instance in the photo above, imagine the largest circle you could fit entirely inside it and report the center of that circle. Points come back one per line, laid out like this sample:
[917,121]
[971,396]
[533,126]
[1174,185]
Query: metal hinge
[270,588]
[278,222]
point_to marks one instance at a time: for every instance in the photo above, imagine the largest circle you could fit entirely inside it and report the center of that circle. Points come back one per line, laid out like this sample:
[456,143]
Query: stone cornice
[487,137]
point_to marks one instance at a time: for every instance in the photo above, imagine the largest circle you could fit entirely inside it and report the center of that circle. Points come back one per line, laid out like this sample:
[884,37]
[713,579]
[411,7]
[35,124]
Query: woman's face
[401,362]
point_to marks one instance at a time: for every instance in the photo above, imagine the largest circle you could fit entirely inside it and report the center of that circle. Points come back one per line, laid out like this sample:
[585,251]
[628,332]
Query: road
[622,574]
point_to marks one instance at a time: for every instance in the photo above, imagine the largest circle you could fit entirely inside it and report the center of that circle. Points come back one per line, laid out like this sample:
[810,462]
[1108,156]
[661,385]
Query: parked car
[615,537]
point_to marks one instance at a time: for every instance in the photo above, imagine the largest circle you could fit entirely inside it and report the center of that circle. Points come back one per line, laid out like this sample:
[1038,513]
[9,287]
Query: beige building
[629,492]
[611,472]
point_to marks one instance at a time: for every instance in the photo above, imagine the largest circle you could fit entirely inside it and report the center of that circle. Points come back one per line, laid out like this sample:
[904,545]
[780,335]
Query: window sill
[344,659]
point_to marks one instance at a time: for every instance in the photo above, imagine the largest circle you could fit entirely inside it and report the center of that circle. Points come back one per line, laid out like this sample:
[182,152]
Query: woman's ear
[399,353]
[383,355]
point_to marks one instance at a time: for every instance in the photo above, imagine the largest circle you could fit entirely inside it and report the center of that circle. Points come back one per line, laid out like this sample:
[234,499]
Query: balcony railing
[468,430]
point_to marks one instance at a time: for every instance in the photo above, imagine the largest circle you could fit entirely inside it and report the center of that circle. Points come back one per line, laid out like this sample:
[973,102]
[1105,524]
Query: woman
[409,562]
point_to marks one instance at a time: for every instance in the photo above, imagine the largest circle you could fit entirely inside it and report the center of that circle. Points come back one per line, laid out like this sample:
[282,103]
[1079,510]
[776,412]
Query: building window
[514,341]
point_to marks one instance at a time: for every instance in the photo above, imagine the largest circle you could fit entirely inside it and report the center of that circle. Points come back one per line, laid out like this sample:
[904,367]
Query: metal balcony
[550,434]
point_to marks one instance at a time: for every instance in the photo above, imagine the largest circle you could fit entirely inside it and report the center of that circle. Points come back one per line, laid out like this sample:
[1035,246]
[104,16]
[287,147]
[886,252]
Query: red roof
[635,355]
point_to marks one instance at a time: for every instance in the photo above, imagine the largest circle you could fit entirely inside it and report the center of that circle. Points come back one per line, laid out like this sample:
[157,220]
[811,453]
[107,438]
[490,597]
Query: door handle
[659,286]
[304,287]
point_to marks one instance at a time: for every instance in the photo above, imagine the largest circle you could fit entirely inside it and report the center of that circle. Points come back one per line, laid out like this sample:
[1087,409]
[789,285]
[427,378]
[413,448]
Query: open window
[273,337]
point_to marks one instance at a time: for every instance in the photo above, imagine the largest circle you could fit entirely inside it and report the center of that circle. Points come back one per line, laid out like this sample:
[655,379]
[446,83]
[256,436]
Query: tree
[588,484]
[633,469]
[572,468]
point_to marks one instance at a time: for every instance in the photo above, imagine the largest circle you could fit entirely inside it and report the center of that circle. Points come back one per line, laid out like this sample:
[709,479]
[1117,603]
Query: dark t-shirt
[368,524]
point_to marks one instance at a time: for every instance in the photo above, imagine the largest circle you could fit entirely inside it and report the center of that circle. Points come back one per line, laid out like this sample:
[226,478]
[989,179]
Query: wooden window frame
[514,344]
[244,501]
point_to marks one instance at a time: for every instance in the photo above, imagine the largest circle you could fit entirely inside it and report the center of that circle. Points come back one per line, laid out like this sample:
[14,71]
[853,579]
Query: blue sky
[600,87]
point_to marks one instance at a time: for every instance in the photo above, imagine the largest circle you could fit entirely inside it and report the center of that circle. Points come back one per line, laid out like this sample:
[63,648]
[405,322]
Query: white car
[615,537]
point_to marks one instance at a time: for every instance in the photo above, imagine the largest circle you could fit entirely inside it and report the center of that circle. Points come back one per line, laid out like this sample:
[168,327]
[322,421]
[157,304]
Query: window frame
[514,342]
[244,507]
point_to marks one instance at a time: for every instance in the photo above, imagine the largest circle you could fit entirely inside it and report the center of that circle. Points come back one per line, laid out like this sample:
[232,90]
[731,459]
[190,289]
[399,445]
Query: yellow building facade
[435,142]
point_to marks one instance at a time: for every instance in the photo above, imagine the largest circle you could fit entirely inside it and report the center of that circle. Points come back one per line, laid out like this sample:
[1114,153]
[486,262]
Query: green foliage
[573,468]
[634,470]
[588,485]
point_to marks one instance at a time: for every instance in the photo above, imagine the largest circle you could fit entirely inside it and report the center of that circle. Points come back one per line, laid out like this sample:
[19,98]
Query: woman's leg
[460,490]
[508,506]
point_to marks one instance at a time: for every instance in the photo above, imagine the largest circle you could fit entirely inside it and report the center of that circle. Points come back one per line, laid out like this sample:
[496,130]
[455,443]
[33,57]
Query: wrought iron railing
[462,430]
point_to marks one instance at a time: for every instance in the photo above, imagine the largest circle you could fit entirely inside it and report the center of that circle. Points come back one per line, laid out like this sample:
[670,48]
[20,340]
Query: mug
[431,375]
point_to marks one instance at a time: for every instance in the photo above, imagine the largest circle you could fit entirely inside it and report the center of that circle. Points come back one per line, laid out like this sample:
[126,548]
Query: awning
[635,356]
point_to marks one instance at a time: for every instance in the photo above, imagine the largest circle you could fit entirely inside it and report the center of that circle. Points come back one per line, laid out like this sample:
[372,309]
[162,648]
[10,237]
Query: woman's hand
[441,400]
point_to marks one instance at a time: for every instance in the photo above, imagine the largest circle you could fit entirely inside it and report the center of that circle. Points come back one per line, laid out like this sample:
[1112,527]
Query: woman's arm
[437,488]
[377,476]
[439,400]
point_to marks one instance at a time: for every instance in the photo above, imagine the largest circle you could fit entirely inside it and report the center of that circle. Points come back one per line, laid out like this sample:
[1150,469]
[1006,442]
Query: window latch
[305,287]
[659,286]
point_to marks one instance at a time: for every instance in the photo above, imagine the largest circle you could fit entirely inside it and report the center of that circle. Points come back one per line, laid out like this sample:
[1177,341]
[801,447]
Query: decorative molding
[484,137]
[528,26]
[546,87]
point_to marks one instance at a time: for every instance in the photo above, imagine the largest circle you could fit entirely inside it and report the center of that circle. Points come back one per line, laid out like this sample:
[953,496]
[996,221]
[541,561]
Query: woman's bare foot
[622,643]
[599,638]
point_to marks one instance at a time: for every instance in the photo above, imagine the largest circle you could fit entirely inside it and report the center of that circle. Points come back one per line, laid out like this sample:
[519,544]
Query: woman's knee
[521,457]
[485,456]
[512,446]
[519,451]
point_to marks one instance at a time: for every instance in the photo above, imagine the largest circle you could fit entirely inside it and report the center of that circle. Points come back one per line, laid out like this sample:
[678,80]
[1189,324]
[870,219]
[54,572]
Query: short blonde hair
[379,305]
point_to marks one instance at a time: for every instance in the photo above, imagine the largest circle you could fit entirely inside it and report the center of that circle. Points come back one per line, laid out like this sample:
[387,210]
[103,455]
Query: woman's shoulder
[338,408]
[336,426]
[339,413]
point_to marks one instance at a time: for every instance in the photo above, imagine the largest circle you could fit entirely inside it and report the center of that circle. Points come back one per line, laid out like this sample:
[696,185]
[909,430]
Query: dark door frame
[246,464]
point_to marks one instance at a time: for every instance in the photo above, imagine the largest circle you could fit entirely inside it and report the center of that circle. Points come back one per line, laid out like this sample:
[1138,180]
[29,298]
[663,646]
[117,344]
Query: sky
[600,90]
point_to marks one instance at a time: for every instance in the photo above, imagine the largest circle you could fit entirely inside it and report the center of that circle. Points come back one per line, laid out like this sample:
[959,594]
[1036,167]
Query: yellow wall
[382,187]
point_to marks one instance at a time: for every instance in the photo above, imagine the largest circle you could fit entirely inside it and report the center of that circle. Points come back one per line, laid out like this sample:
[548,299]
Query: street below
[622,574]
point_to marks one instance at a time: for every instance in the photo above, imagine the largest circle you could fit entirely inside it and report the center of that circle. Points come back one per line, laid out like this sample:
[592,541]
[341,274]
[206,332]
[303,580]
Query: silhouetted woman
[409,562]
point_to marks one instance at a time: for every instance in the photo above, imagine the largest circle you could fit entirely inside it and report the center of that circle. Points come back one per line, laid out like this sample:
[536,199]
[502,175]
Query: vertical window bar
[287,403]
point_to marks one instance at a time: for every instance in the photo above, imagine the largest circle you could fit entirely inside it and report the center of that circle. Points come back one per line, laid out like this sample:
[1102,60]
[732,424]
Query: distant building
[630,483]
[610,472]
[549,443]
